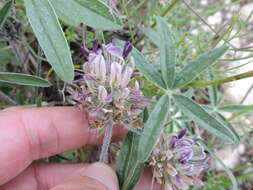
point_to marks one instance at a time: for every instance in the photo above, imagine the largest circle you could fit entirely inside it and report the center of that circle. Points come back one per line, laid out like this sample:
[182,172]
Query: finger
[58,176]
[41,175]
[97,176]
[28,134]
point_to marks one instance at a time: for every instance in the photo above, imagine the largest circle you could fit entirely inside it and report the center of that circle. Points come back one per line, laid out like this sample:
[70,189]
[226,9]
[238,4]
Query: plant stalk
[221,81]
[106,142]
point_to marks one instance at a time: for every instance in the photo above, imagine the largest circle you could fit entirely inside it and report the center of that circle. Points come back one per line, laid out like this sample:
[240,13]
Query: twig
[106,142]
[246,94]
[7,99]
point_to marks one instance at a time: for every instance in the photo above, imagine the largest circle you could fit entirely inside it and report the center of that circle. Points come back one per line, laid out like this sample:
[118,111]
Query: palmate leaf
[23,79]
[196,113]
[167,48]
[147,69]
[163,38]
[51,38]
[153,128]
[197,66]
[93,13]
[152,35]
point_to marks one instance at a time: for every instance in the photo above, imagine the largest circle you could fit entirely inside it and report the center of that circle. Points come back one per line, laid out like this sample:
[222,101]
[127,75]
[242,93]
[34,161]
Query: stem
[221,81]
[106,142]
[129,24]
[247,94]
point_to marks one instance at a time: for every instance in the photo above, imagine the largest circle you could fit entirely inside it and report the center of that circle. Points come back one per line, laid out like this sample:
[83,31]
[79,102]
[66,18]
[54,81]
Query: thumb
[96,176]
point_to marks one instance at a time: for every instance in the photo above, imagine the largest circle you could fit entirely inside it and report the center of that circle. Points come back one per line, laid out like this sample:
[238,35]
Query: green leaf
[93,13]
[167,48]
[134,176]
[128,167]
[4,12]
[197,66]
[123,158]
[23,79]
[196,113]
[153,128]
[152,35]
[213,91]
[147,69]
[47,29]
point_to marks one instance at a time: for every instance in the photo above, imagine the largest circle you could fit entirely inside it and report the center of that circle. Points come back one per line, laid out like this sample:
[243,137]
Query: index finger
[27,134]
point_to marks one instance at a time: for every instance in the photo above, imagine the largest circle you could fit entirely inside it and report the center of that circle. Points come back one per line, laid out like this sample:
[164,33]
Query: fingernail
[103,174]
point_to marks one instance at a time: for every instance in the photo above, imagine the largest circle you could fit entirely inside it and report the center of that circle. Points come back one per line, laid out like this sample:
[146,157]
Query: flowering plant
[177,161]
[107,89]
[106,86]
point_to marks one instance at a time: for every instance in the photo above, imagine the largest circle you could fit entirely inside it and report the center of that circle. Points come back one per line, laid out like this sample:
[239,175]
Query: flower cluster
[107,88]
[177,161]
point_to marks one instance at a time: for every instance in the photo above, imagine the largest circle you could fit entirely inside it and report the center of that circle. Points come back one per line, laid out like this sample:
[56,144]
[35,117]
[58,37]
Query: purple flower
[115,77]
[95,46]
[107,86]
[179,179]
[113,50]
[126,76]
[102,94]
[182,133]
[180,159]
[127,49]
[173,141]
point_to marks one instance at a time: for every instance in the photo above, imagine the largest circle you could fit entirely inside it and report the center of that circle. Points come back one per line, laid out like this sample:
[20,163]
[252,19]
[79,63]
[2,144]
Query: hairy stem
[106,142]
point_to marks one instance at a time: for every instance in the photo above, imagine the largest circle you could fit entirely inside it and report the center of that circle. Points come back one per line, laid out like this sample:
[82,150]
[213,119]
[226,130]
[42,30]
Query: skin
[28,134]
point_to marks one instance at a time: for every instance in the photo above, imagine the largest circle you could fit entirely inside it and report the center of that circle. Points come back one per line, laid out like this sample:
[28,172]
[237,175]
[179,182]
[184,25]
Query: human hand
[28,134]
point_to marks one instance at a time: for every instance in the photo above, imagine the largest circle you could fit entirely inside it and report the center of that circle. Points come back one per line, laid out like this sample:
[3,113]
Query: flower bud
[93,60]
[113,50]
[115,76]
[127,49]
[100,67]
[126,76]
[182,133]
[124,93]
[102,94]
[136,85]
